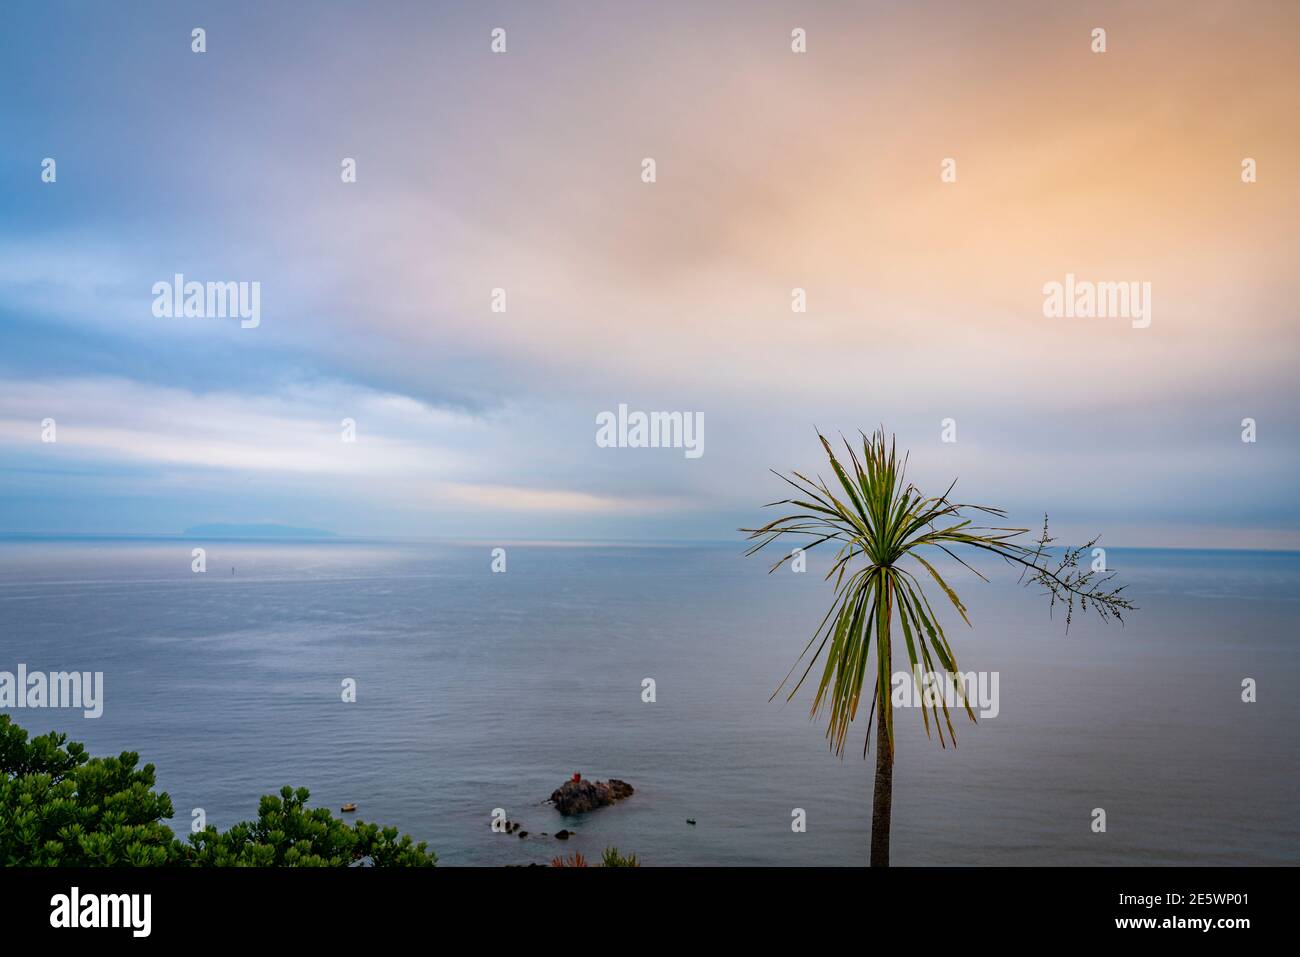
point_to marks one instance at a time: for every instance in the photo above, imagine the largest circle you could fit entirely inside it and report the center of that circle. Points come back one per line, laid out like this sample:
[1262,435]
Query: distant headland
[260,530]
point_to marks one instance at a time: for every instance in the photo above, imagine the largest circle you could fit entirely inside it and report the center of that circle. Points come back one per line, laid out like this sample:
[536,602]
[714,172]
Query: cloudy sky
[523,171]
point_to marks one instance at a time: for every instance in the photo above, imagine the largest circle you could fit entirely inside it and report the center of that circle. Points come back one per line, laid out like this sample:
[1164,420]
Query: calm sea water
[480,690]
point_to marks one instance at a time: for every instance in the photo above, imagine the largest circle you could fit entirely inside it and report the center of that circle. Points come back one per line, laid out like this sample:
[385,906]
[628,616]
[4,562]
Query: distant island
[262,530]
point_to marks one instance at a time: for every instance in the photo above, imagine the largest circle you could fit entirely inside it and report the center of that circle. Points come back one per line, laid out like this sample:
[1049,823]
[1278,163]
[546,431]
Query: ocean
[478,690]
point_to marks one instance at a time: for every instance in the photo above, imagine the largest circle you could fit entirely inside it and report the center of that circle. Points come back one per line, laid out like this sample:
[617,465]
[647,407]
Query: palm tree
[879,523]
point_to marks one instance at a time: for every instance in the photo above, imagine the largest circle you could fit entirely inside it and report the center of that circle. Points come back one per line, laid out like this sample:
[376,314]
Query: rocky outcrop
[578,796]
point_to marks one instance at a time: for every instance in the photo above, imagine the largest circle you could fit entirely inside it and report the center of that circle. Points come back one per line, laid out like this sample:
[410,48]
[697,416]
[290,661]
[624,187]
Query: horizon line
[340,539]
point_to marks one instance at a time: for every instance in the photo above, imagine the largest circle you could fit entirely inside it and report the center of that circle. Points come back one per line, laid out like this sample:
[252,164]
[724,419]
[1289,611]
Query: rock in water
[575,797]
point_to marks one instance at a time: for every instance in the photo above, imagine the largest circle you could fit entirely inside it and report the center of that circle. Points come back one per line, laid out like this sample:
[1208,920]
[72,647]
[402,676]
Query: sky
[523,171]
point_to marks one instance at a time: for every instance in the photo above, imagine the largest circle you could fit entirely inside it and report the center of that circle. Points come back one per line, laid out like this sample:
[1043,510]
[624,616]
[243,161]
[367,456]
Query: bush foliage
[59,807]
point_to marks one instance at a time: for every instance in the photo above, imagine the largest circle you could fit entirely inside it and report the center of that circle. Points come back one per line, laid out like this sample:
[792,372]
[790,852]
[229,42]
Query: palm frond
[878,519]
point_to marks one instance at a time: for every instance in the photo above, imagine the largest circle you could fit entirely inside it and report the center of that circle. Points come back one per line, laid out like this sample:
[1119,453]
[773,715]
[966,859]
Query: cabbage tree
[891,541]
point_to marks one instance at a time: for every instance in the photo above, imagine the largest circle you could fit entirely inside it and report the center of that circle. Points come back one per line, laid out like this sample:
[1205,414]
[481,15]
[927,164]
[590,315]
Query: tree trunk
[883,799]
[883,796]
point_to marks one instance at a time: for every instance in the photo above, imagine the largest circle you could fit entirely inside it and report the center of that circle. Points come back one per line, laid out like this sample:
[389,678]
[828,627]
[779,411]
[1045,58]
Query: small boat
[348,807]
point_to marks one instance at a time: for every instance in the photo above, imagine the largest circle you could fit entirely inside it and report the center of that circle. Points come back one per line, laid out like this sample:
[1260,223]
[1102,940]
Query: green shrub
[59,807]
[612,858]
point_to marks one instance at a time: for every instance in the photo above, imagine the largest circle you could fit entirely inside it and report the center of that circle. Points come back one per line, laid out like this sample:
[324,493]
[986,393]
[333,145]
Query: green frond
[879,520]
